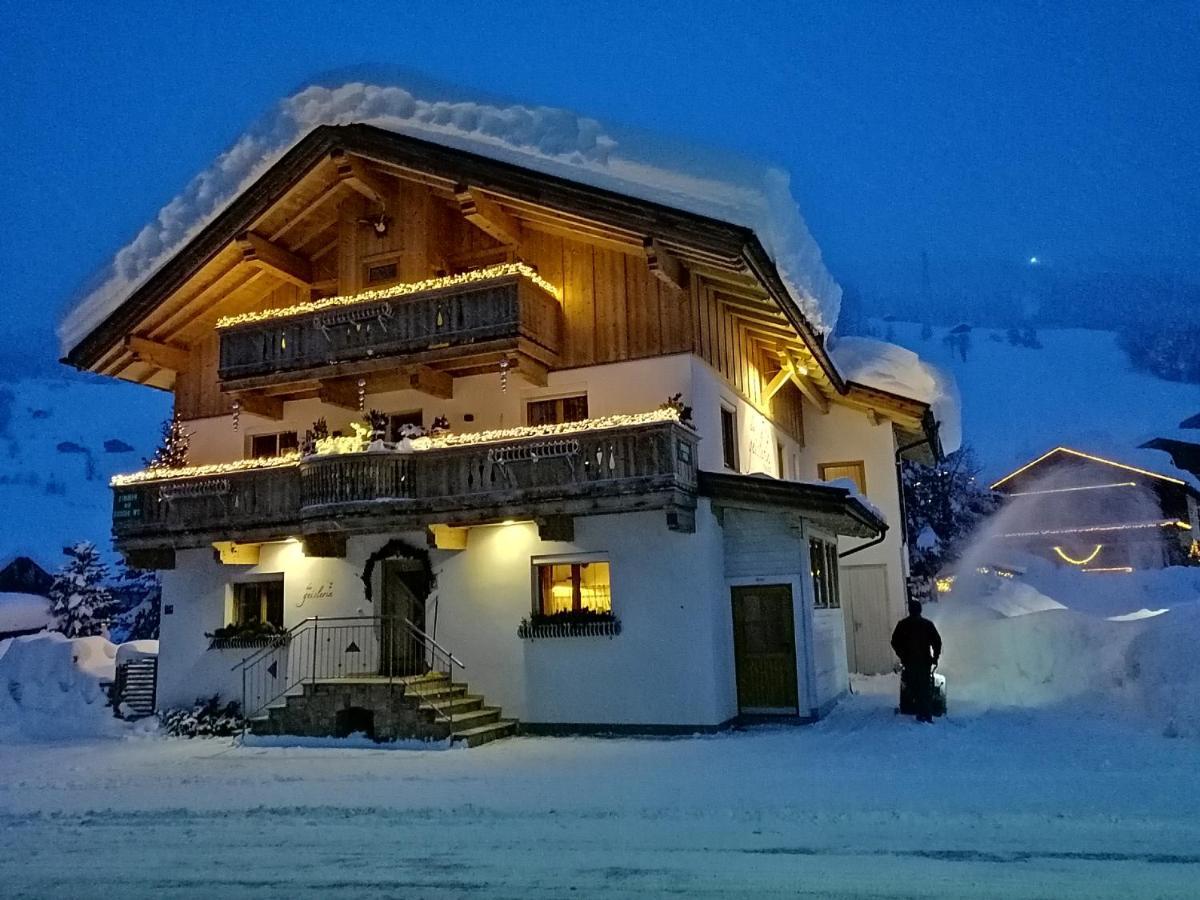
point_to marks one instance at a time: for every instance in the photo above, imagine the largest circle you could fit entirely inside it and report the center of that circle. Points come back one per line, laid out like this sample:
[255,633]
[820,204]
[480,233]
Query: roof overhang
[917,430]
[695,239]
[832,507]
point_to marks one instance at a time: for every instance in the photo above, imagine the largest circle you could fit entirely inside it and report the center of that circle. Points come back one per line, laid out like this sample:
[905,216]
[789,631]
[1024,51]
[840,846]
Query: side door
[764,648]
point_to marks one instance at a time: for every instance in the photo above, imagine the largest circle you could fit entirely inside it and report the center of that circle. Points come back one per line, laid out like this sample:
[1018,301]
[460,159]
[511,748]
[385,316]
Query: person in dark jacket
[918,644]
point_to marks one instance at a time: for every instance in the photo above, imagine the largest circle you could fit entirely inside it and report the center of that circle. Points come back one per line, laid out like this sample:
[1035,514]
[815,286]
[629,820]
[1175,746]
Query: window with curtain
[557,410]
[563,587]
[258,602]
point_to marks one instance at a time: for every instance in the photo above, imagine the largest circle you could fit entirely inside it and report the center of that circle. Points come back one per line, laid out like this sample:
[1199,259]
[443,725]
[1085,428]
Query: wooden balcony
[451,328]
[636,467]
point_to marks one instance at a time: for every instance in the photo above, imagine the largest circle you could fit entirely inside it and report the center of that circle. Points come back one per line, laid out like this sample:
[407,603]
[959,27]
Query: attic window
[385,272]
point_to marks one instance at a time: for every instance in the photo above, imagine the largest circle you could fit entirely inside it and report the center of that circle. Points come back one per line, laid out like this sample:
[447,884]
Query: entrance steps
[423,707]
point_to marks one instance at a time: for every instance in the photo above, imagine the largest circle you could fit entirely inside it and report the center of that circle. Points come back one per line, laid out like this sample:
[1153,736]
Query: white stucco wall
[627,387]
[672,662]
[845,435]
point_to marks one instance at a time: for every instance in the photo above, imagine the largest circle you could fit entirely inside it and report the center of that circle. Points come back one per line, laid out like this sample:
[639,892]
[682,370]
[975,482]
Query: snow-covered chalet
[493,421]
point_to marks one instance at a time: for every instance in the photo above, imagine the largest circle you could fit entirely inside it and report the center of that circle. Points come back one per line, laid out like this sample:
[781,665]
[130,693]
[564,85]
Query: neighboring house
[24,576]
[584,557]
[1097,514]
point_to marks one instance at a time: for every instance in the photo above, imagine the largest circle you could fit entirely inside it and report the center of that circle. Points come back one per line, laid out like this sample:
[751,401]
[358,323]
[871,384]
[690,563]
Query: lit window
[855,471]
[729,438]
[263,446]
[557,411]
[823,563]
[567,587]
[258,602]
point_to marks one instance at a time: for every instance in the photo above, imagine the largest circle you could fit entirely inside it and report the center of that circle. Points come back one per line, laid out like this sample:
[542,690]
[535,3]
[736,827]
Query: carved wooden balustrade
[643,466]
[433,322]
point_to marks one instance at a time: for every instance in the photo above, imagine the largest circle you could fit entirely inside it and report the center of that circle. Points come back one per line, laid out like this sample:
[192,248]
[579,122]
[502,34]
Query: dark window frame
[558,410]
[266,594]
[729,437]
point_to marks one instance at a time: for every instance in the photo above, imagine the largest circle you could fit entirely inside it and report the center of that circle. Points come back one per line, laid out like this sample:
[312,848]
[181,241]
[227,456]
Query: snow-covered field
[1078,389]
[864,804]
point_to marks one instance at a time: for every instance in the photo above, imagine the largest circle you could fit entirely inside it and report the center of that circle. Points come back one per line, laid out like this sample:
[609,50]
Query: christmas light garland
[358,443]
[475,276]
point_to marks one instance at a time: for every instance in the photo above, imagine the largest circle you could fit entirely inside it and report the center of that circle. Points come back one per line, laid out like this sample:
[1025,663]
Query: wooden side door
[764,648]
[865,602]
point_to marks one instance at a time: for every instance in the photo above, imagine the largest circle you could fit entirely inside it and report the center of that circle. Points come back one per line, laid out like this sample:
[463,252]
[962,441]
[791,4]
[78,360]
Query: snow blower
[907,706]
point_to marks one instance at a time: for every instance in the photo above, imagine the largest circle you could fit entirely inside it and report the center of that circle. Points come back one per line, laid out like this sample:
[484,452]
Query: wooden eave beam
[165,356]
[431,381]
[798,374]
[663,265]
[485,215]
[258,405]
[262,254]
[339,393]
[353,172]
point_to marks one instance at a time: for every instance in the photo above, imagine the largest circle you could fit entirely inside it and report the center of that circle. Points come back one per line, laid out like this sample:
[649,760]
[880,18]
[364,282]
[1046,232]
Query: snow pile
[545,139]
[1088,644]
[51,688]
[135,650]
[888,367]
[24,612]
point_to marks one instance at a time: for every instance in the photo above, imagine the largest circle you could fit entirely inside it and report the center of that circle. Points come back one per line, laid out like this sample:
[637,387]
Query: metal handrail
[393,647]
[450,656]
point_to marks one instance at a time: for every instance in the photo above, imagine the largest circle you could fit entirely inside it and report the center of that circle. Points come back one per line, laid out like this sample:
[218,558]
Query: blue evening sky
[976,131]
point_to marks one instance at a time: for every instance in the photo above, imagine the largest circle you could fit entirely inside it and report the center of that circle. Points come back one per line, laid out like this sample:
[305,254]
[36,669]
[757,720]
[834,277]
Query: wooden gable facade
[352,208]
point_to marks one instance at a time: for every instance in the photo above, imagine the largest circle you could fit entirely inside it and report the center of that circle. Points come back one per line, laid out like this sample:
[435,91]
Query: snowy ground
[864,804]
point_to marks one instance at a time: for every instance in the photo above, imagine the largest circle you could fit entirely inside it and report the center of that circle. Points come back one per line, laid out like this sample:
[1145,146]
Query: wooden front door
[400,652]
[764,649]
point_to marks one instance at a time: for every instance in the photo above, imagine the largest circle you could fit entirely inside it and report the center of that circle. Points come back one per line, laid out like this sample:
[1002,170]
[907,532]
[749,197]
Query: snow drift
[1086,644]
[51,688]
[553,141]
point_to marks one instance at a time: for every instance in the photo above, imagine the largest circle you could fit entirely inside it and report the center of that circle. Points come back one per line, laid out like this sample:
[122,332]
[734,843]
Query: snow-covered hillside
[1078,390]
[60,442]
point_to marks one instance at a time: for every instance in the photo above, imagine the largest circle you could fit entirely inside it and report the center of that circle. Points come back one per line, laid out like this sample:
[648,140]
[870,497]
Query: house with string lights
[479,435]
[1098,514]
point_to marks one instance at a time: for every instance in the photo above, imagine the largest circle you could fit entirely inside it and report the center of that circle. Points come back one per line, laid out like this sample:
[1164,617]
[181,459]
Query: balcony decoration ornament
[504,376]
[237,413]
[362,393]
[463,279]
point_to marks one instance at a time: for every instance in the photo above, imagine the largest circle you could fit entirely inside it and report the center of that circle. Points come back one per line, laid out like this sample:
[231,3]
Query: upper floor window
[266,445]
[397,421]
[729,454]
[258,602]
[855,471]
[557,410]
[823,563]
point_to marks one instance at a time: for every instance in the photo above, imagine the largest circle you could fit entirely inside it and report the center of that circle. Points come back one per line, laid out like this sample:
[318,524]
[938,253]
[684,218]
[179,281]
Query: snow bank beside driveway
[52,688]
[1098,654]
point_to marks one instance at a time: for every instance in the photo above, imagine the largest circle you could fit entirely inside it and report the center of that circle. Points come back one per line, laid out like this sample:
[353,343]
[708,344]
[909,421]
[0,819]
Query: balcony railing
[643,466]
[432,322]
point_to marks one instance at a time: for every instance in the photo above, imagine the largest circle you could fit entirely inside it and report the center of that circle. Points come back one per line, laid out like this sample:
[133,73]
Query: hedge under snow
[545,139]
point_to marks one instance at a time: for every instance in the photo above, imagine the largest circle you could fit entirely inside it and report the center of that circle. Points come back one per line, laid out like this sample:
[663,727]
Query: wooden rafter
[487,216]
[798,374]
[663,265]
[354,173]
[431,381]
[259,405]
[165,356]
[260,253]
[340,392]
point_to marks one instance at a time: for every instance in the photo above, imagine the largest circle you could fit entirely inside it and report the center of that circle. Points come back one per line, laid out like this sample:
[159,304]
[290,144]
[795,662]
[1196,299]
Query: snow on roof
[888,367]
[24,612]
[545,139]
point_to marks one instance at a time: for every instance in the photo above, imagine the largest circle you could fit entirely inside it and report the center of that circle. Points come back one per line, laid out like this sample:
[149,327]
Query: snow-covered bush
[208,718]
[80,600]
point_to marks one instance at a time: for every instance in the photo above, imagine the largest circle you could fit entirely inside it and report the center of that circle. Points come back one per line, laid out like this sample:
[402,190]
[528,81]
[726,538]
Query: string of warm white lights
[357,443]
[475,276]
[1065,557]
[212,469]
[1164,523]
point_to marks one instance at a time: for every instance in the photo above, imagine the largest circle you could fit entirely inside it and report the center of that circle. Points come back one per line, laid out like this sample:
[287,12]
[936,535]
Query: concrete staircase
[423,707]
